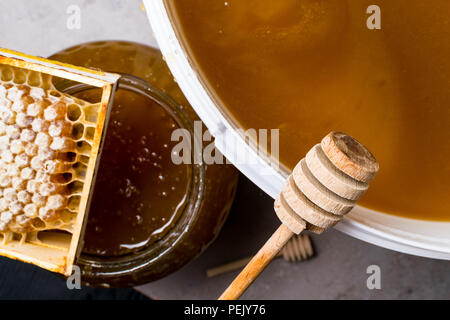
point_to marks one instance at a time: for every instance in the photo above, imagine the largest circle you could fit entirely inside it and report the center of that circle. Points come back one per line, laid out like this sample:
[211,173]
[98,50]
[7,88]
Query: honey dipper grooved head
[325,185]
[350,156]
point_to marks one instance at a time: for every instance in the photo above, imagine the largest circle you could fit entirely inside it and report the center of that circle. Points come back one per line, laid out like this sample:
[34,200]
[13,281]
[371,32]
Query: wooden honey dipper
[298,248]
[322,188]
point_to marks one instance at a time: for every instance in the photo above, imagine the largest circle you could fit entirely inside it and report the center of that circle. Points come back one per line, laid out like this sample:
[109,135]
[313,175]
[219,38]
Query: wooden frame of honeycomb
[50,147]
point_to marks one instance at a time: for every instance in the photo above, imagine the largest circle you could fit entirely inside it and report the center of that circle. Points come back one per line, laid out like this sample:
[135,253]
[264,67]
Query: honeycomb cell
[21,160]
[74,112]
[35,81]
[31,210]
[77,131]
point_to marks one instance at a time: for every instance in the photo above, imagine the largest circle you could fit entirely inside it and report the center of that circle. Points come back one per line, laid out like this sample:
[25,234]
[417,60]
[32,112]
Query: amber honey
[139,192]
[309,67]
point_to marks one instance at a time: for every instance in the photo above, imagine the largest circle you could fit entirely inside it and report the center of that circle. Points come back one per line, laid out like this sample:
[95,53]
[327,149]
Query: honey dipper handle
[231,266]
[258,263]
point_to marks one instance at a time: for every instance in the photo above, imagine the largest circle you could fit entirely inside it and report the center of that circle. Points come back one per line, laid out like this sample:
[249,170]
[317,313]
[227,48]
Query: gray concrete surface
[338,271]
[40,27]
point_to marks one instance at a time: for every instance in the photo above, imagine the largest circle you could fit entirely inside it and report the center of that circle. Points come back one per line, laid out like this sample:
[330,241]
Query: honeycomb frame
[47,247]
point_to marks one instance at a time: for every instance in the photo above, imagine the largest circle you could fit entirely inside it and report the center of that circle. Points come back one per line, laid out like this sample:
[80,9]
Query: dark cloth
[20,280]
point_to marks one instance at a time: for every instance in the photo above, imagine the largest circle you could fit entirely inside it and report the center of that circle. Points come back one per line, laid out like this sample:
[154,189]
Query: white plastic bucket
[418,237]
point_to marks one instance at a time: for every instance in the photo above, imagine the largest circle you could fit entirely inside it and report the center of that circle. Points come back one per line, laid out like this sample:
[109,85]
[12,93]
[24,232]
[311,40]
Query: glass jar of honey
[149,216]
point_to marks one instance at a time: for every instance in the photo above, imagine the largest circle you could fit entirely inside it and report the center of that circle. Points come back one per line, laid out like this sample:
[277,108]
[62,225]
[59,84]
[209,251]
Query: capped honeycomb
[46,138]
[50,144]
